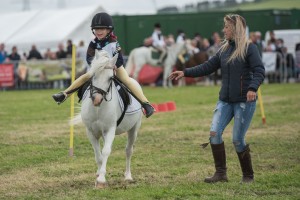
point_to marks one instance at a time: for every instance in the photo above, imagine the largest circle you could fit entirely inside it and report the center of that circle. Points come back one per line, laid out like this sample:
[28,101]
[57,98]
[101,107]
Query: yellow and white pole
[261,105]
[71,150]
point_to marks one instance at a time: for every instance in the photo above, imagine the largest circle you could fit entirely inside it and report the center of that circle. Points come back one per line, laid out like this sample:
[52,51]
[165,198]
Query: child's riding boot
[149,110]
[60,97]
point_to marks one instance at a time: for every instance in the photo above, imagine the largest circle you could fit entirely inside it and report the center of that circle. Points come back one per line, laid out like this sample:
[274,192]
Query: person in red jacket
[242,73]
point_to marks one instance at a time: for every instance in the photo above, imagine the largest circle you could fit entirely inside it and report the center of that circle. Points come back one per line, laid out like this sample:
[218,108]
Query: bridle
[94,89]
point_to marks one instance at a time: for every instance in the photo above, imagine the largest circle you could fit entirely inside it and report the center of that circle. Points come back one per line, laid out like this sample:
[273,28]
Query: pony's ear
[113,60]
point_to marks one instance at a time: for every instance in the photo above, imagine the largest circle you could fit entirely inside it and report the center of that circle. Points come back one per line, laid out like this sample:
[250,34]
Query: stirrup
[59,97]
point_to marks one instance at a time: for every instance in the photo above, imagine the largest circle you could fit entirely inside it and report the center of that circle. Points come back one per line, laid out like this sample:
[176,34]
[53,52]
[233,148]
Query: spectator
[297,47]
[180,36]
[199,39]
[170,40]
[69,48]
[81,51]
[204,45]
[3,54]
[81,55]
[14,56]
[259,42]
[49,55]
[61,53]
[195,49]
[271,43]
[254,39]
[216,44]
[290,63]
[271,47]
[297,60]
[159,42]
[147,42]
[213,38]
[34,53]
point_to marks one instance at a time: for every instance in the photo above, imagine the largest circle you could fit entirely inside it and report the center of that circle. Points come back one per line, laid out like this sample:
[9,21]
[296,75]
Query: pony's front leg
[108,140]
[96,146]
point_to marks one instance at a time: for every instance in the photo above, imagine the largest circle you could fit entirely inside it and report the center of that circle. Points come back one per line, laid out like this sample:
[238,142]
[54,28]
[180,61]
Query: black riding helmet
[102,20]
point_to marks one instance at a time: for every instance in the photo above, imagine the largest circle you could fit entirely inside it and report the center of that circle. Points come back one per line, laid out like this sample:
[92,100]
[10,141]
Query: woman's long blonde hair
[237,25]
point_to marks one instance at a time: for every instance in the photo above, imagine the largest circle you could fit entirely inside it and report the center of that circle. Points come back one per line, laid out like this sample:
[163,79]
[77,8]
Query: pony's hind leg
[132,134]
[96,146]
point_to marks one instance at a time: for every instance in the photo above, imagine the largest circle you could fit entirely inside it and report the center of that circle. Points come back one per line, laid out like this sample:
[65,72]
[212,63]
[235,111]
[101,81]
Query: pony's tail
[76,120]
[130,64]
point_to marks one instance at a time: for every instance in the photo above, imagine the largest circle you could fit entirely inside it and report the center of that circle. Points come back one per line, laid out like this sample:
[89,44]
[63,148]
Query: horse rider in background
[181,39]
[159,42]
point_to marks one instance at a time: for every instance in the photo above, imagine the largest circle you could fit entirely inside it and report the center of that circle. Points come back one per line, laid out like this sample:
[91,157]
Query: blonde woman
[242,73]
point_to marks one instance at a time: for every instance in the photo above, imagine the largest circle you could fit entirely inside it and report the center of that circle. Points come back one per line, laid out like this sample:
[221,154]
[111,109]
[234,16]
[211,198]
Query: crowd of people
[212,44]
[62,52]
[160,42]
[14,57]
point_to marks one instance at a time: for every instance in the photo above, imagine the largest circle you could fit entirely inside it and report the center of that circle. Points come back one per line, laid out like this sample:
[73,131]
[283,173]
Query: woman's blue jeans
[242,112]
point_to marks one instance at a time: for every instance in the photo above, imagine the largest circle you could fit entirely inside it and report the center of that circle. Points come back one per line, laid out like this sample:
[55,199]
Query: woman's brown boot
[218,151]
[246,165]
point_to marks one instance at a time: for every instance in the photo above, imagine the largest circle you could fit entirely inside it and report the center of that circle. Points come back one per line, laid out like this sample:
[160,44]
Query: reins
[101,91]
[94,89]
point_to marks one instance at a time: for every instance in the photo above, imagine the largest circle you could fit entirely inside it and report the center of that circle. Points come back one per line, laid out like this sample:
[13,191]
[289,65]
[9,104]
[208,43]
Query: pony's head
[102,71]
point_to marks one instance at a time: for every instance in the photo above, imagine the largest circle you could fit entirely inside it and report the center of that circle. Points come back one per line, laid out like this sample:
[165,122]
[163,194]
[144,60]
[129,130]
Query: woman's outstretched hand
[176,75]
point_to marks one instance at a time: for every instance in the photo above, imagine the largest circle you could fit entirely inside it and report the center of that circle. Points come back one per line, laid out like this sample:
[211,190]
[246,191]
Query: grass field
[167,162]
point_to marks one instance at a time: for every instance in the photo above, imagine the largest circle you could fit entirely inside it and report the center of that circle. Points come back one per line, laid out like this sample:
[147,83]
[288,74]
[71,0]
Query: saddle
[122,90]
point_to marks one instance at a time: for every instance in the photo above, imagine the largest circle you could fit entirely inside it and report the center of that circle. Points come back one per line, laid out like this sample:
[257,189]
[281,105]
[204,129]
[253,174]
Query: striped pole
[261,105]
[71,150]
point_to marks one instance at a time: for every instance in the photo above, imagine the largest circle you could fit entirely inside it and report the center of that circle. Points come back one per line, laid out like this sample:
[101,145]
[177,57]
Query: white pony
[102,120]
[140,56]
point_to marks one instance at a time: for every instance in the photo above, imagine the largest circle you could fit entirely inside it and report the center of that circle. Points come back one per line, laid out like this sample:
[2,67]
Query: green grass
[167,162]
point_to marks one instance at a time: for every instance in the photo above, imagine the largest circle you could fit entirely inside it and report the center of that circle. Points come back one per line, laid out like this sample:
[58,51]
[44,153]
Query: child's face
[101,33]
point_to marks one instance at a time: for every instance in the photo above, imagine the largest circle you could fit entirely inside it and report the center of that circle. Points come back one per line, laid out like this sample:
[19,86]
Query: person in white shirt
[159,42]
[180,37]
[179,40]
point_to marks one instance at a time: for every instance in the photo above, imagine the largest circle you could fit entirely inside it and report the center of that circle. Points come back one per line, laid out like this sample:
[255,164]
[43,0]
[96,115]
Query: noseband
[94,89]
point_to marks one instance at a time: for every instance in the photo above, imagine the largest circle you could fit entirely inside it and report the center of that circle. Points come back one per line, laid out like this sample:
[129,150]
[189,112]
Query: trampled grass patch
[167,163]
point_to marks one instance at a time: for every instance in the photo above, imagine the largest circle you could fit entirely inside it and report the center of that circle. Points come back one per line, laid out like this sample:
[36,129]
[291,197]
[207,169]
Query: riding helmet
[102,20]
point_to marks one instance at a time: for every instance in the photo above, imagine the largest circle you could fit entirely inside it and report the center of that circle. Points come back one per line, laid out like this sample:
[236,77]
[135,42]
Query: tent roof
[46,28]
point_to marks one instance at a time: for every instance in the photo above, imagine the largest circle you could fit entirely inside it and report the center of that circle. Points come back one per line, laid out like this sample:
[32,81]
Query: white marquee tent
[46,28]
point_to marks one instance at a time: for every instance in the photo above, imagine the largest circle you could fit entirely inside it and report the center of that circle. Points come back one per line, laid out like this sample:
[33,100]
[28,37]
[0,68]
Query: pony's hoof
[99,185]
[130,181]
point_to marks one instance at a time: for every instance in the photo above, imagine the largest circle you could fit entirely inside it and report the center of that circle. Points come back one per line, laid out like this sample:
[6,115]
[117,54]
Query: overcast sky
[123,7]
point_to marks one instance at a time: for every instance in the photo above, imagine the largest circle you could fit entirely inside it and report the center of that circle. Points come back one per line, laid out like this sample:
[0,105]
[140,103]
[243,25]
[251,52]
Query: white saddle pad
[134,107]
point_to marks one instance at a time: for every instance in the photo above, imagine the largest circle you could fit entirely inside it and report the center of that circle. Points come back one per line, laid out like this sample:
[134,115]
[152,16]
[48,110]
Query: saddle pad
[134,107]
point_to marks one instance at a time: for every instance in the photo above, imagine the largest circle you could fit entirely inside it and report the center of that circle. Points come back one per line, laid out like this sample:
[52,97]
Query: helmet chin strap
[106,37]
